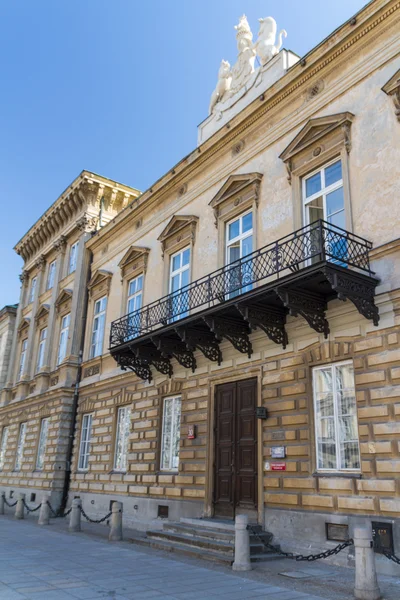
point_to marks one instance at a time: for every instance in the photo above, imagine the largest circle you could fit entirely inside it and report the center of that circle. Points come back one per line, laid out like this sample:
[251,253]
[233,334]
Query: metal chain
[58,515]
[391,556]
[31,510]
[301,557]
[95,520]
[9,504]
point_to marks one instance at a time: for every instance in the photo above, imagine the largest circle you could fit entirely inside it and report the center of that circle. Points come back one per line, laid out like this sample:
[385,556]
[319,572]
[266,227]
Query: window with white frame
[73,255]
[122,438]
[84,447]
[336,426]
[99,321]
[134,303]
[44,429]
[3,447]
[62,344]
[239,243]
[32,289]
[323,196]
[171,434]
[22,357]
[51,275]
[178,279]
[20,446]
[41,349]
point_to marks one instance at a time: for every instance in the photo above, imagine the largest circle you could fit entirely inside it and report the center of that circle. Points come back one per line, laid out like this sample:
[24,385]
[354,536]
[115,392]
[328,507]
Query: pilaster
[12,364]
[28,367]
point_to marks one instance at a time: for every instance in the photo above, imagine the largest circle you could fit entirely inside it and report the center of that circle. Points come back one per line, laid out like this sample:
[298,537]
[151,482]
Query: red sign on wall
[281,466]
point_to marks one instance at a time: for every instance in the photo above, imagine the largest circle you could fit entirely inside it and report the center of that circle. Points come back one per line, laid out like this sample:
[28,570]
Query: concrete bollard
[2,503]
[116,522]
[366,584]
[44,513]
[242,544]
[19,508]
[75,518]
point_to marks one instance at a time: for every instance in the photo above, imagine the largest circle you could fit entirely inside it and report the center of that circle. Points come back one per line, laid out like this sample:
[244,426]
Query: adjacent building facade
[241,336]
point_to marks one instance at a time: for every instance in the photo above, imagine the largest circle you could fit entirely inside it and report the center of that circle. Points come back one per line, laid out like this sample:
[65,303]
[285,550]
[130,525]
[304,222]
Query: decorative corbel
[87,223]
[346,128]
[40,263]
[288,165]
[24,278]
[61,244]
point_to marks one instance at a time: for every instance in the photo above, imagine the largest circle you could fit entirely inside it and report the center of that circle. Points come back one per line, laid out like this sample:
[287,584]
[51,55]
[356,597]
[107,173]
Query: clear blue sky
[117,87]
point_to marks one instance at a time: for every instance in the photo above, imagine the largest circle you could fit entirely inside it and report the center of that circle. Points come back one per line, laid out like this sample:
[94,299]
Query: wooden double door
[235,458]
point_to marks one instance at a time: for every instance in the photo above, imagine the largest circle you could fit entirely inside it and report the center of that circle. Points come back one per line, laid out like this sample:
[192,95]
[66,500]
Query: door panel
[235,448]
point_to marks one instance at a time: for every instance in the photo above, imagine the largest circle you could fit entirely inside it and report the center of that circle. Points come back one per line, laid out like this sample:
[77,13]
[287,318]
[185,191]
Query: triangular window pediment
[313,131]
[234,185]
[24,324]
[64,296]
[133,254]
[177,223]
[43,311]
[99,277]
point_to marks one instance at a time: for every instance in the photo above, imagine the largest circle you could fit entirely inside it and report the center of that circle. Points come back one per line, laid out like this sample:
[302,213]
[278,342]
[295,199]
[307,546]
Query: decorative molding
[24,324]
[310,306]
[87,223]
[234,330]
[60,245]
[64,296]
[314,131]
[92,370]
[135,259]
[181,228]
[392,89]
[102,279]
[53,381]
[40,263]
[237,189]
[42,311]
[24,278]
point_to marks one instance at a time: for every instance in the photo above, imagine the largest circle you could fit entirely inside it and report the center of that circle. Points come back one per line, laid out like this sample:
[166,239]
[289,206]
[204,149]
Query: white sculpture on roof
[223,84]
[265,44]
[244,66]
[234,83]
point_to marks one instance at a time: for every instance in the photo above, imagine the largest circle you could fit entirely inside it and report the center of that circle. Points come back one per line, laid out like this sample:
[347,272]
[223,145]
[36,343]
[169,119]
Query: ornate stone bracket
[392,89]
[360,292]
[129,361]
[152,356]
[234,330]
[310,306]
[202,340]
[177,349]
[271,321]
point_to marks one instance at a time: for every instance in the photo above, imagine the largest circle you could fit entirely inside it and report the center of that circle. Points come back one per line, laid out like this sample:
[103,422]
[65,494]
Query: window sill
[337,474]
[117,472]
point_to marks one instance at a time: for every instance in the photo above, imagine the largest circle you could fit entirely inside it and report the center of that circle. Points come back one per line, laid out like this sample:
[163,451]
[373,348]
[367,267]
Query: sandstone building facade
[242,330]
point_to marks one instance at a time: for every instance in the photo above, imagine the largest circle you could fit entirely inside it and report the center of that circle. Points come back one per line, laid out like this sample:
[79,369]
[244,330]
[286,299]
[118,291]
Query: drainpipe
[67,479]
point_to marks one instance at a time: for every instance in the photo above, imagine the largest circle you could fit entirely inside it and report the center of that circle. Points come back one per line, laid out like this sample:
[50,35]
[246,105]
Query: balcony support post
[310,306]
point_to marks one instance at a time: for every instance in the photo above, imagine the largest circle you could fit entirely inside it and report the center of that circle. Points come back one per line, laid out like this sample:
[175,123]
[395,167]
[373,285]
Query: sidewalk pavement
[48,563]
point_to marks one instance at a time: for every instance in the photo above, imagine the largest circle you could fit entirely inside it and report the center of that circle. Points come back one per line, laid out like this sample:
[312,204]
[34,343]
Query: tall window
[51,275]
[122,438]
[84,448]
[20,446]
[22,357]
[135,297]
[239,243]
[41,349]
[171,434]
[323,195]
[179,278]
[32,289]
[62,345]
[336,418]
[44,428]
[73,255]
[3,447]
[99,321]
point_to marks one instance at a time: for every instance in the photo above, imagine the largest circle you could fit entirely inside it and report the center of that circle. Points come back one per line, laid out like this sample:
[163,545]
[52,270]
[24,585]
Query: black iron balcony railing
[319,242]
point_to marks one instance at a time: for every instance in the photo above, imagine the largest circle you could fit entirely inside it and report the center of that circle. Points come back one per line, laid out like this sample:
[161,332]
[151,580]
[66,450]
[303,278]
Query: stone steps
[205,538]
